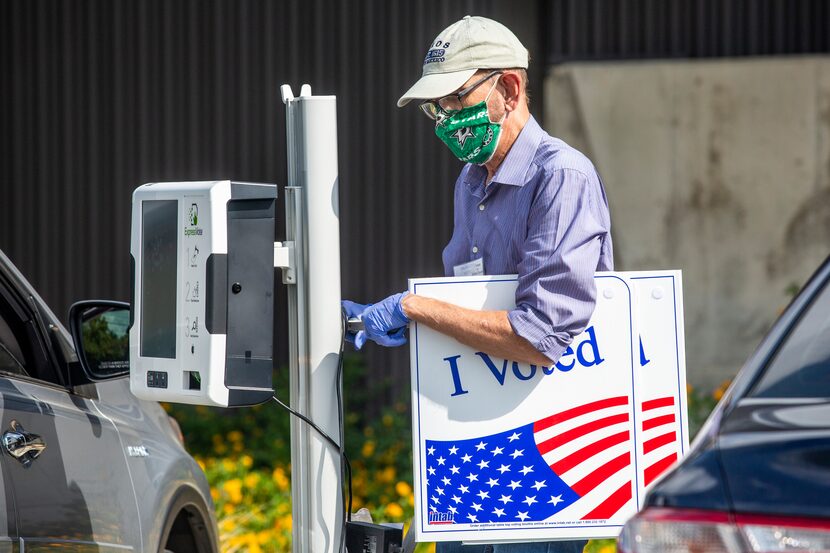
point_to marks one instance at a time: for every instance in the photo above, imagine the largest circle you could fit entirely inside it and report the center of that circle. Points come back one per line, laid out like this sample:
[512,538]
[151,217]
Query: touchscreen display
[158,278]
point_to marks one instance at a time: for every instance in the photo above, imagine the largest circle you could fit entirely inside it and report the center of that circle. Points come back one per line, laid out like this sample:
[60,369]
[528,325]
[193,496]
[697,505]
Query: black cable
[345,465]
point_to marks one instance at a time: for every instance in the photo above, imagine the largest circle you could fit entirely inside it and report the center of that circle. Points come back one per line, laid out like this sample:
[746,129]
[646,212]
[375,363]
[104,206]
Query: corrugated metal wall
[626,29]
[97,97]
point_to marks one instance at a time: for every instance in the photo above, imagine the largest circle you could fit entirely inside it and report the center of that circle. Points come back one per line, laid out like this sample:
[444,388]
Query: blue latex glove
[355,310]
[383,322]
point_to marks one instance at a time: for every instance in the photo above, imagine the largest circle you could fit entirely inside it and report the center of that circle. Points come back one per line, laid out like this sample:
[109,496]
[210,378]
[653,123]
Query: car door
[10,363]
[62,458]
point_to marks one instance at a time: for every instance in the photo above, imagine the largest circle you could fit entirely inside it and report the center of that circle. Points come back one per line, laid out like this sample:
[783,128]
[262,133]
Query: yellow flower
[280,479]
[246,461]
[228,508]
[235,436]
[393,510]
[253,544]
[368,449]
[227,525]
[201,464]
[387,475]
[718,394]
[238,447]
[234,490]
[252,480]
[228,465]
[220,449]
[403,489]
[214,493]
[387,420]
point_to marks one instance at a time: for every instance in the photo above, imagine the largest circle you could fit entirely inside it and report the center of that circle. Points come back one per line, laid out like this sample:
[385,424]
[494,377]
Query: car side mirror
[101,332]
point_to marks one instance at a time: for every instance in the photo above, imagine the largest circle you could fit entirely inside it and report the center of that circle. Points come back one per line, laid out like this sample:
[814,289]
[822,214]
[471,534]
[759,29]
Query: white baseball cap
[459,51]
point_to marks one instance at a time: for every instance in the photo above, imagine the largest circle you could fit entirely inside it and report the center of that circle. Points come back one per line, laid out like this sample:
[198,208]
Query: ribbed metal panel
[631,29]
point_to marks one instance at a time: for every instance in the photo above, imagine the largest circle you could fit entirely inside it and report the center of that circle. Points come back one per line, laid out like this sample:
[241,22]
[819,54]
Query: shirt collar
[517,167]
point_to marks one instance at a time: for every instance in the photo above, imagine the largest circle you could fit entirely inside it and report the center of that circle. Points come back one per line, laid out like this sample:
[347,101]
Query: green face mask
[470,134]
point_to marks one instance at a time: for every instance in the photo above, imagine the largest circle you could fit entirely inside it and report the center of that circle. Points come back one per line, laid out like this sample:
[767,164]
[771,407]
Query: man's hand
[383,322]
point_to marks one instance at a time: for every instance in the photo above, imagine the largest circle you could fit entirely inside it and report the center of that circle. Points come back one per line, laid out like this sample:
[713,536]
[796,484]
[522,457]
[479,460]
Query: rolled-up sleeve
[556,294]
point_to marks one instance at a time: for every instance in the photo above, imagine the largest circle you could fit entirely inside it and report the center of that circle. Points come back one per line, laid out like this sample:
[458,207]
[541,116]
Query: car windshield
[801,366]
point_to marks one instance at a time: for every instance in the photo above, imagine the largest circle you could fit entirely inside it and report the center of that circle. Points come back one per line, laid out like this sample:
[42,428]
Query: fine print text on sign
[506,451]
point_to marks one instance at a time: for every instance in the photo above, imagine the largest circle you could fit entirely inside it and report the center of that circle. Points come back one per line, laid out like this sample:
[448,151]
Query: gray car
[85,465]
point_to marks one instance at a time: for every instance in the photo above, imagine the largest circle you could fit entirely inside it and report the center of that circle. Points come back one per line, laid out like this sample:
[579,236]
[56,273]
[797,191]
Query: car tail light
[690,531]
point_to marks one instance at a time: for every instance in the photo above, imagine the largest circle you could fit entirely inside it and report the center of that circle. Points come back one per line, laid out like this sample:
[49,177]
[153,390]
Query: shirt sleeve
[556,293]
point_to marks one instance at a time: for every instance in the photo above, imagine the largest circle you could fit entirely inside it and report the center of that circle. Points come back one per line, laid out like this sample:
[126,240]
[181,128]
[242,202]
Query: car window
[801,366]
[11,355]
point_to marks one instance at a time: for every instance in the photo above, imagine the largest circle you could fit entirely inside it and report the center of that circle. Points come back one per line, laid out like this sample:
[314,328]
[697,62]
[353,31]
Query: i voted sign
[508,451]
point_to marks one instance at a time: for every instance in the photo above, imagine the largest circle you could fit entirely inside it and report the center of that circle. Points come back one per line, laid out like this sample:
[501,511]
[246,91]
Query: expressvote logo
[585,354]
[193,221]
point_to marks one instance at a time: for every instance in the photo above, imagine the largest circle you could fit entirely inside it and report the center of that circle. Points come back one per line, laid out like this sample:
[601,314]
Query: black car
[757,477]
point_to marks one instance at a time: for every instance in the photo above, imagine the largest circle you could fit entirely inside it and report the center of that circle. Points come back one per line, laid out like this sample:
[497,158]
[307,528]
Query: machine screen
[158,278]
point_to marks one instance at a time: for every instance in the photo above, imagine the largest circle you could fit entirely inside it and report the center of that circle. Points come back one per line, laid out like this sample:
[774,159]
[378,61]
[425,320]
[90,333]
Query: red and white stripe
[659,427]
[589,447]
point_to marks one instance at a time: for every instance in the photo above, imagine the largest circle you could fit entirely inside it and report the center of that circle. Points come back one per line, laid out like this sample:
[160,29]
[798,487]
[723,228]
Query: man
[525,203]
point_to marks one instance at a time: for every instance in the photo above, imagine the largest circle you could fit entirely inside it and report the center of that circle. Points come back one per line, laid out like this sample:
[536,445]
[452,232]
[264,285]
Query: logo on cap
[434,56]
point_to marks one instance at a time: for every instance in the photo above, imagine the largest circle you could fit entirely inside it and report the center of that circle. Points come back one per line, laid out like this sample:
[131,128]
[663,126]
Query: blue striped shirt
[544,216]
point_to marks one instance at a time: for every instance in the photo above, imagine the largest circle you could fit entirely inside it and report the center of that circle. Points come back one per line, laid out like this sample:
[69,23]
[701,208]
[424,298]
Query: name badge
[472,268]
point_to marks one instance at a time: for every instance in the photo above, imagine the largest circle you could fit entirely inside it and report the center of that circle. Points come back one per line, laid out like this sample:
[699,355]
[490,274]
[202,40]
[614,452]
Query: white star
[435,500]
[505,499]
[483,495]
[472,518]
[454,469]
[446,481]
[439,491]
[498,512]
[453,450]
[440,460]
[556,500]
[462,134]
[539,485]
[514,437]
[463,489]
[480,446]
[431,471]
[504,468]
[433,508]
[453,510]
[466,458]
[484,464]
[472,477]
[456,499]
[476,506]
[526,470]
[497,451]
[493,482]
[431,450]
[514,484]
[517,453]
[530,500]
[523,516]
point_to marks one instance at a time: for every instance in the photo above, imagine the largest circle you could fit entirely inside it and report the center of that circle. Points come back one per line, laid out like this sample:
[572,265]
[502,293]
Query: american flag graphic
[579,459]
[660,437]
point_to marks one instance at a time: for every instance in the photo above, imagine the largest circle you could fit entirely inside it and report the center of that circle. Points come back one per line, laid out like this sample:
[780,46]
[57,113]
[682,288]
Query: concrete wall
[718,168]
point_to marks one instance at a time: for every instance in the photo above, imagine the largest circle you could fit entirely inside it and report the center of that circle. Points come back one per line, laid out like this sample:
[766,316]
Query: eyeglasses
[437,110]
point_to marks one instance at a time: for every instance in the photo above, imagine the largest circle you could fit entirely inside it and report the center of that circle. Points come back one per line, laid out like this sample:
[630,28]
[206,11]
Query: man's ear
[512,86]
